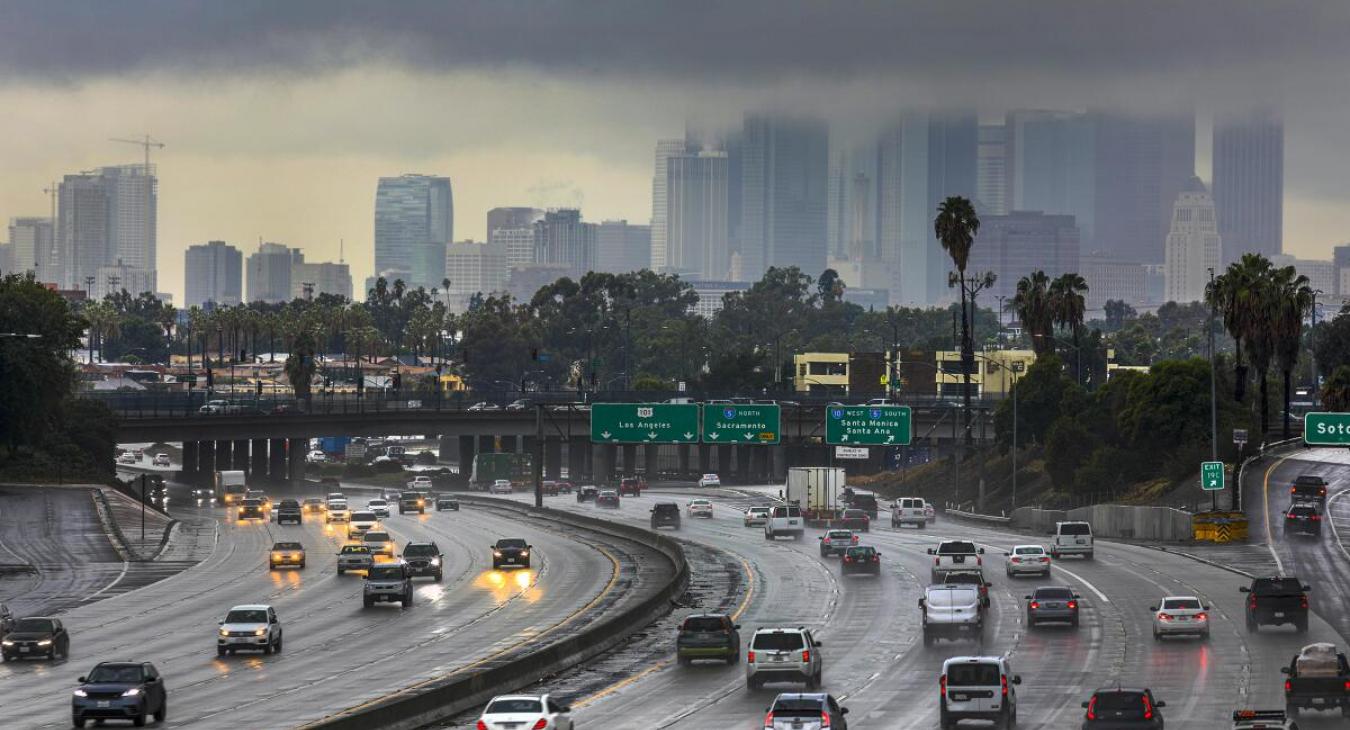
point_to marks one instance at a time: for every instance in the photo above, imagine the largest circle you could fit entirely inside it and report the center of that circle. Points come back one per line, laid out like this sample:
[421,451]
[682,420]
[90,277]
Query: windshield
[511,544]
[853,514]
[700,502]
[971,578]
[355,550]
[1278,587]
[839,535]
[411,495]
[798,707]
[860,552]
[1182,603]
[787,641]
[377,537]
[34,626]
[866,501]
[1029,551]
[378,503]
[759,510]
[385,572]
[956,548]
[506,707]
[973,675]
[667,507]
[363,517]
[288,546]
[1131,704]
[113,674]
[702,623]
[952,597]
[415,550]
[1075,528]
[246,616]
[1053,594]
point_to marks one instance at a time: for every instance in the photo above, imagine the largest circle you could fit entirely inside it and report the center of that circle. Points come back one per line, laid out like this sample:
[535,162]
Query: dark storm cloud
[699,41]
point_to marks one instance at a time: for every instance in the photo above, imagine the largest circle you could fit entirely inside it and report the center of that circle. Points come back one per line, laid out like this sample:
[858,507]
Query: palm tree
[195,321]
[1068,306]
[1035,310]
[103,323]
[1238,294]
[1336,390]
[955,226]
[167,317]
[1293,300]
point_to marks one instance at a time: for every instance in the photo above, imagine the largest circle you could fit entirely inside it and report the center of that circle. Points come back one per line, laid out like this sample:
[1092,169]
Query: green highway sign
[1211,476]
[644,423]
[868,425]
[1326,429]
[735,423]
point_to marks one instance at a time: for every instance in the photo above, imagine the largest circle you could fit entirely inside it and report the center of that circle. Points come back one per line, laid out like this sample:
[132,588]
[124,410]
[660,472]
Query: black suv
[423,559]
[510,551]
[1277,600]
[1118,708]
[666,514]
[36,636]
[120,691]
[289,511]
[1303,519]
[708,636]
[412,502]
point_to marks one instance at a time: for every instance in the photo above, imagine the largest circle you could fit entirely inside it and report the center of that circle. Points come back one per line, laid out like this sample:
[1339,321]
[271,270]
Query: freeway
[870,628]
[337,654]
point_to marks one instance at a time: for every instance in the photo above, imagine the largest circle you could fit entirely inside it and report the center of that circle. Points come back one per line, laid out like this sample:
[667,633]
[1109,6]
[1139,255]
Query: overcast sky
[279,117]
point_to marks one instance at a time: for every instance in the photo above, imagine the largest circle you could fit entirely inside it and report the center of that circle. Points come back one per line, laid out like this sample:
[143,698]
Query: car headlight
[524,553]
[224,632]
[81,693]
[435,561]
[132,692]
[260,632]
[7,643]
[45,642]
[496,553]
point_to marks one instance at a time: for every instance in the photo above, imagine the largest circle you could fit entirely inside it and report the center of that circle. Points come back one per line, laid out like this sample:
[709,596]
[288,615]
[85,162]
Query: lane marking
[1332,520]
[1265,496]
[1058,567]
[118,579]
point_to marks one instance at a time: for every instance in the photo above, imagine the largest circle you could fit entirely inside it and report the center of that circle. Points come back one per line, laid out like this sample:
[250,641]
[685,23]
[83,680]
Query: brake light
[942,685]
[847,559]
[1347,685]
[1317,518]
[1092,709]
[1288,685]
[1202,616]
[1303,602]
[827,541]
[1045,560]
[481,726]
[1073,605]
[806,655]
[1164,617]
[1035,605]
[541,724]
[855,539]
[1005,685]
[1016,560]
[979,561]
[768,719]
[1148,708]
[1251,603]
[937,561]
[824,720]
[876,558]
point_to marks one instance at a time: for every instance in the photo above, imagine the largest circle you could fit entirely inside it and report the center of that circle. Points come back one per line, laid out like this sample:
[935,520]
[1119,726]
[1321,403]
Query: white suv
[909,511]
[978,688]
[249,627]
[1072,538]
[785,520]
[337,511]
[501,486]
[360,523]
[783,655]
[955,555]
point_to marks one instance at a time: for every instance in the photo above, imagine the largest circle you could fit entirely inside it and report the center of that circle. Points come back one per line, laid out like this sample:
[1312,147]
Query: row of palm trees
[1042,303]
[1263,309]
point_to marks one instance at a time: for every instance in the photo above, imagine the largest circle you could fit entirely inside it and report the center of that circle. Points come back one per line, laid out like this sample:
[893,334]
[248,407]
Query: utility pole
[1213,400]
[1312,342]
[538,454]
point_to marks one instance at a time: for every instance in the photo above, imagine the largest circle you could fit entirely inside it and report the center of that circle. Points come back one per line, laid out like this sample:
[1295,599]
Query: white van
[951,611]
[978,688]
[1072,538]
[909,511]
[785,520]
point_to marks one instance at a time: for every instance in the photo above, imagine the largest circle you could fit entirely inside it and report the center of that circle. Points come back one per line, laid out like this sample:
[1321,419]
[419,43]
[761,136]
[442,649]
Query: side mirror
[1307,588]
[1008,554]
[981,551]
[843,710]
[822,537]
[879,552]
[820,643]
[1153,608]
[1027,597]
[921,603]
[1207,608]
[1160,703]
[531,547]
[82,680]
[1017,679]
[220,623]
[565,709]
[1085,705]
[736,626]
[1284,670]
[1245,589]
[930,551]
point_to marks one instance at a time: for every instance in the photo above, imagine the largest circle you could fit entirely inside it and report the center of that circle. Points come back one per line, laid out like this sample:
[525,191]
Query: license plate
[1279,614]
[104,703]
[960,697]
[24,649]
[1081,541]
[510,560]
[780,659]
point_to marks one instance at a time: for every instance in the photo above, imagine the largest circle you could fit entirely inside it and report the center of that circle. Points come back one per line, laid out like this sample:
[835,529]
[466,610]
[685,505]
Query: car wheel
[220,651]
[735,657]
[77,721]
[162,712]
[408,600]
[1251,626]
[1088,556]
[1074,623]
[1156,635]
[280,640]
[751,684]
[366,600]
[341,571]
[812,682]
[269,647]
[438,576]
[139,720]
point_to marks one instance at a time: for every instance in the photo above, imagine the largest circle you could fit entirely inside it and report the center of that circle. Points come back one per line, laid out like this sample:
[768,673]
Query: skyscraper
[665,149]
[31,242]
[321,277]
[82,230]
[269,273]
[1142,165]
[1051,165]
[473,268]
[784,195]
[414,220]
[132,212]
[1193,244]
[1014,245]
[213,273]
[561,239]
[107,217]
[1249,183]
[512,217]
[621,247]
[991,181]
[696,215]
[119,277]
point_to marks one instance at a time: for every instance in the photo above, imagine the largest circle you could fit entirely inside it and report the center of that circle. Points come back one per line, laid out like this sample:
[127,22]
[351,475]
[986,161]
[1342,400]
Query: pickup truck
[953,555]
[1277,600]
[1309,488]
[1318,679]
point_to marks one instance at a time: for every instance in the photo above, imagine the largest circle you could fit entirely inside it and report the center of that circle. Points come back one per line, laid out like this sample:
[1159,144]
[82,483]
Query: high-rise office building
[1142,165]
[120,277]
[1110,278]
[309,280]
[621,247]
[991,177]
[107,217]
[1321,273]
[1248,158]
[1193,244]
[1014,245]
[31,243]
[473,268]
[518,244]
[269,273]
[696,215]
[561,239]
[213,274]
[784,195]
[7,259]
[414,220]
[1340,261]
[511,217]
[836,212]
[665,149]
[1051,165]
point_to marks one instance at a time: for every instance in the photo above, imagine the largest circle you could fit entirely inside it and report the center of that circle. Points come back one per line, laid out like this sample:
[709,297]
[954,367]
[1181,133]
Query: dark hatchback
[424,560]
[1303,519]
[666,514]
[120,691]
[510,551]
[708,636]
[861,559]
[36,636]
[1123,709]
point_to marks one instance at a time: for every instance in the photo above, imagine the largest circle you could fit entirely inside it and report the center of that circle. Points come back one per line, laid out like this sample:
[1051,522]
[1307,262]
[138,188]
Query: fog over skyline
[279,117]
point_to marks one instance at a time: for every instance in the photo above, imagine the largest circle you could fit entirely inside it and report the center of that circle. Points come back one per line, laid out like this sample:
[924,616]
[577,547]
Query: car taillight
[1347,685]
[1148,708]
[1202,616]
[1073,605]
[847,559]
[827,541]
[1164,617]
[541,724]
[1303,602]
[942,685]
[1045,560]
[1005,685]
[768,719]
[1092,709]
[876,558]
[824,720]
[481,726]
[979,561]
[855,539]
[750,656]
[1016,560]
[937,561]
[1251,603]
[806,655]
[1288,685]
[1035,605]
[1317,518]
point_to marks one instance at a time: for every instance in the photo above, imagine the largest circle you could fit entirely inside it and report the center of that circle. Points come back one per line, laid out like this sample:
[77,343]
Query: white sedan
[379,506]
[525,712]
[317,457]
[756,516]
[161,460]
[1180,615]
[501,486]
[709,480]
[700,508]
[1027,559]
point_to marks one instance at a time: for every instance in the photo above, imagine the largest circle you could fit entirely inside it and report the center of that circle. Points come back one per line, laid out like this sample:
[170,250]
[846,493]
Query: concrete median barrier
[464,689]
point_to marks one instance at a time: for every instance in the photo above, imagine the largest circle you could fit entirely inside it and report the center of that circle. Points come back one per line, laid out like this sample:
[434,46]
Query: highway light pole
[1213,402]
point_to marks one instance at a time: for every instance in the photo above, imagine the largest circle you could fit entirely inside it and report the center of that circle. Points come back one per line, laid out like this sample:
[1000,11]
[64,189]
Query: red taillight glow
[1017,560]
[1045,559]
[824,720]
[847,559]
[979,561]
[481,726]
[876,558]
[1148,708]
[1164,617]
[768,719]
[1092,709]
[540,725]
[1288,685]
[937,561]
[1073,605]
[750,656]
[1317,518]
[1202,616]
[942,685]
[1303,602]
[1251,603]
[806,655]
[1035,605]
[1005,685]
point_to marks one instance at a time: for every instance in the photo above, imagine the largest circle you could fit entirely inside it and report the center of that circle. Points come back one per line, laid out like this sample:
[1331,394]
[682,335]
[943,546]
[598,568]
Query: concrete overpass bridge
[269,436]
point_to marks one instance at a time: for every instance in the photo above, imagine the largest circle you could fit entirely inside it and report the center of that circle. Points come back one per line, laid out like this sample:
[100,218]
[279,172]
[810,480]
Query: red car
[632,487]
[565,487]
[550,488]
[854,519]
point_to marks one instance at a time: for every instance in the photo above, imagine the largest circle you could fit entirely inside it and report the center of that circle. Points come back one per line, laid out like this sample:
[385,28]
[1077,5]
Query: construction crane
[147,142]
